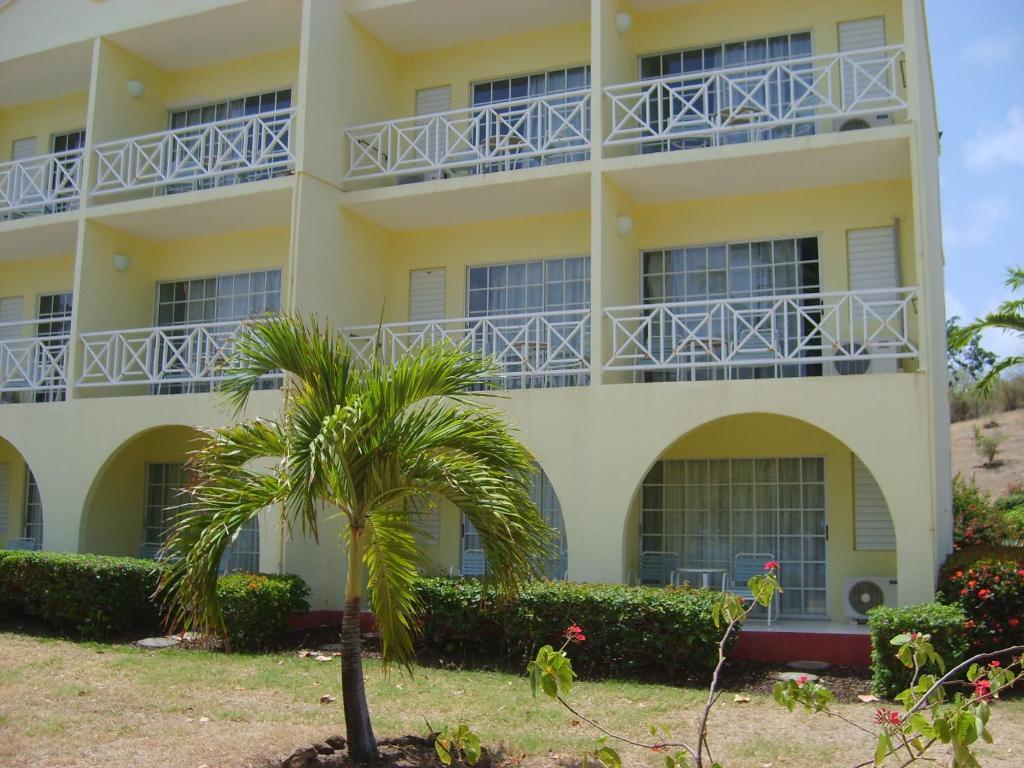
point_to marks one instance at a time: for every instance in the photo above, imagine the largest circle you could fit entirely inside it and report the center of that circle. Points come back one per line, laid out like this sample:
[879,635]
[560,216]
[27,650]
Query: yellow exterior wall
[16,500]
[460,66]
[457,248]
[756,436]
[827,213]
[241,77]
[41,119]
[31,278]
[697,24]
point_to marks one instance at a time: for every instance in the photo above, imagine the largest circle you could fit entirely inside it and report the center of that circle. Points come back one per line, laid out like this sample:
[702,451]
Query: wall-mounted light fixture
[625,225]
[135,88]
[623,22]
[121,261]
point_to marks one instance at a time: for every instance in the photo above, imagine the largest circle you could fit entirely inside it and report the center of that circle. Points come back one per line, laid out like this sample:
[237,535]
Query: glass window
[33,510]
[707,512]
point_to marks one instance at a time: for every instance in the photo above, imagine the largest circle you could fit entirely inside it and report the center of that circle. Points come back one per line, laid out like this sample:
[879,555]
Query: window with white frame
[53,325]
[741,270]
[32,527]
[559,285]
[543,496]
[548,83]
[770,97]
[203,114]
[62,176]
[221,299]
[706,512]
[166,485]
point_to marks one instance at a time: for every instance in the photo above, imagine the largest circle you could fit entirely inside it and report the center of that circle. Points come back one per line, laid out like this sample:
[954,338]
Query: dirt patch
[400,752]
[1010,466]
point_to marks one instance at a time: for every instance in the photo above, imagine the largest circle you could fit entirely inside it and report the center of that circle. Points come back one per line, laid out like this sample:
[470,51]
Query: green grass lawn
[84,704]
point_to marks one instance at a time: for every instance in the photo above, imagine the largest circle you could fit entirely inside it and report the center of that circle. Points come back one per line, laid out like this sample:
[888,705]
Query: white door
[874,268]
[426,294]
[859,72]
[430,101]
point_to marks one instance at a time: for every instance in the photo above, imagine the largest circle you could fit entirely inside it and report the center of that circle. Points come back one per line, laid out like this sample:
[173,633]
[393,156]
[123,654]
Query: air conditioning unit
[13,397]
[862,593]
[858,365]
[428,176]
[861,122]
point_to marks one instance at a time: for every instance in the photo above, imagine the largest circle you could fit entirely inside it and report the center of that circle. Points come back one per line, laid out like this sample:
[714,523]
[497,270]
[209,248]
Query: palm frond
[391,557]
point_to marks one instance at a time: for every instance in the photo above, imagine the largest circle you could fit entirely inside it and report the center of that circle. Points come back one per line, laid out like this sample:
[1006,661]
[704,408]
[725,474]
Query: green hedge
[944,623]
[99,597]
[630,631]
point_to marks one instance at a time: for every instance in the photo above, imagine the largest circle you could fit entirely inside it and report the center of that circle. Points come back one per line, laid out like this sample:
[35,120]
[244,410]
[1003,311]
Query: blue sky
[977,57]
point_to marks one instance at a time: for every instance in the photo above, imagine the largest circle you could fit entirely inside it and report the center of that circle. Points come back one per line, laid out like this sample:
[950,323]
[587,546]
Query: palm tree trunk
[362,746]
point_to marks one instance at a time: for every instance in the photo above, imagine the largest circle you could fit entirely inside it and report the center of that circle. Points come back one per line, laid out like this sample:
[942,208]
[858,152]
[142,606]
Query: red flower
[984,594]
[995,663]
[958,574]
[884,717]
[802,680]
[983,689]
[1013,621]
[574,634]
[894,718]
[1020,572]
[771,565]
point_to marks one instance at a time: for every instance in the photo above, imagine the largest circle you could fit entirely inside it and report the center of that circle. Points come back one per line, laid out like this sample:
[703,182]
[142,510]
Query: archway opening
[138,493]
[759,487]
[21,502]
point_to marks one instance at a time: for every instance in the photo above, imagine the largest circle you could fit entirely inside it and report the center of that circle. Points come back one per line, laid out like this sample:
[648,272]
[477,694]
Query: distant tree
[1008,317]
[967,363]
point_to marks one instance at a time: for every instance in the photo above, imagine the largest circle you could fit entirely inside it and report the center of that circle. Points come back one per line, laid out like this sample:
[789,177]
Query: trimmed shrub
[92,596]
[943,622]
[988,584]
[256,607]
[631,631]
[99,597]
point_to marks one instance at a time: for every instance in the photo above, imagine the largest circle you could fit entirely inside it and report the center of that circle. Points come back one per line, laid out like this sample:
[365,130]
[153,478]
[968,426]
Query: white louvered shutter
[873,258]
[430,101]
[428,521]
[11,308]
[22,149]
[858,74]
[426,294]
[874,529]
[5,496]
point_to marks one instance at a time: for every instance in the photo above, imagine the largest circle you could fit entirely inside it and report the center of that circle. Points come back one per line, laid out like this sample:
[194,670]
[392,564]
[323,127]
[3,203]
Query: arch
[133,481]
[751,482]
[21,502]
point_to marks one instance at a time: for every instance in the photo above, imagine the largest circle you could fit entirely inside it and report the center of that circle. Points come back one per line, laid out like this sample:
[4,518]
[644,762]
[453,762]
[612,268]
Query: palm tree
[1008,317]
[371,440]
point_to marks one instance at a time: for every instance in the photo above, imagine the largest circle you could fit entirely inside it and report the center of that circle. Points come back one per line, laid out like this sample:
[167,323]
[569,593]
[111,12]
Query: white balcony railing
[31,361]
[227,151]
[502,136]
[43,184]
[163,355]
[542,349]
[845,330]
[756,102]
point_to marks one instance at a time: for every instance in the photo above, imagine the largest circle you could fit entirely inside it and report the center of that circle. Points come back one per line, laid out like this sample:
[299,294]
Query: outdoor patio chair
[25,545]
[745,566]
[656,568]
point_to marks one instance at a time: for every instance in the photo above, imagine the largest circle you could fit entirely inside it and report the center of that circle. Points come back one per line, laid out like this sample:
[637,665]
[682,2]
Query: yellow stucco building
[702,237]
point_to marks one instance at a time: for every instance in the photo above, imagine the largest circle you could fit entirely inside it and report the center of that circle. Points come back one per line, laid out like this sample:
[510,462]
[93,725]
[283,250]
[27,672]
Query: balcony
[789,335]
[175,357]
[508,135]
[40,185]
[219,153]
[792,97]
[530,350]
[31,362]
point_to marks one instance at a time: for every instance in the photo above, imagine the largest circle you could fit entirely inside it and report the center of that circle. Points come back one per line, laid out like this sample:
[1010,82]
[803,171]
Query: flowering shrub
[257,606]
[629,631]
[943,624]
[975,519]
[991,593]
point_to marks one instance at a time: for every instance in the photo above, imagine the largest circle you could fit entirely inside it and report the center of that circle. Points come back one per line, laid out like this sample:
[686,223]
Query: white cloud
[996,145]
[992,49]
[955,307]
[1002,343]
[978,226]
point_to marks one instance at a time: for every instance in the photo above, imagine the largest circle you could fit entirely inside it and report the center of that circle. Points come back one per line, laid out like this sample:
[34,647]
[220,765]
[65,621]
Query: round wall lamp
[623,22]
[121,261]
[135,88]
[625,225]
